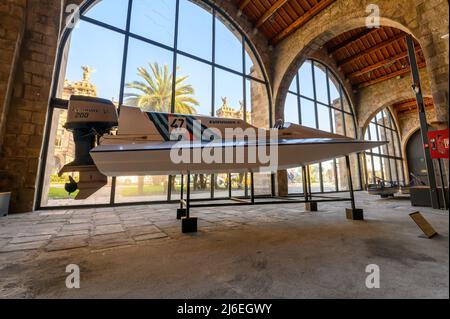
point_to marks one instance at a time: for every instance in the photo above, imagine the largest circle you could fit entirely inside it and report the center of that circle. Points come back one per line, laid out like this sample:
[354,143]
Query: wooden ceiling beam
[302,20]
[352,40]
[381,64]
[243,4]
[373,49]
[388,76]
[266,16]
[412,104]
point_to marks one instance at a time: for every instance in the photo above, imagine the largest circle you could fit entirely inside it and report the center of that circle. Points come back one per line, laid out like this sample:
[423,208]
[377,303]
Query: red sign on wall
[438,141]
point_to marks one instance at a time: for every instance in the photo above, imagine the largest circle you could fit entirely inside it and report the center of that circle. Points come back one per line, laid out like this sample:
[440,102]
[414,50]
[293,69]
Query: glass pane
[251,64]
[400,170]
[329,184]
[196,85]
[369,167]
[342,174]
[221,186]
[324,118]
[321,83]
[377,164]
[382,137]
[293,86]
[154,19]
[201,186]
[386,170]
[229,94]
[308,113]
[263,184]
[295,181]
[238,184]
[228,45]
[347,107]
[257,104]
[335,96]
[395,176]
[350,126]
[398,150]
[338,121]
[391,144]
[306,81]
[111,12]
[314,171]
[355,171]
[61,151]
[195,29]
[141,188]
[89,71]
[149,77]
[291,109]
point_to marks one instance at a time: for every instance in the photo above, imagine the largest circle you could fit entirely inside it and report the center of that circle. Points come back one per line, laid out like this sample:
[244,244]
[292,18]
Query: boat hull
[166,158]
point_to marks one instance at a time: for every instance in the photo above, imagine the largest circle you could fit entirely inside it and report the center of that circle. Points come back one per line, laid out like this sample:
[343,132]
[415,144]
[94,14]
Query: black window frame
[216,12]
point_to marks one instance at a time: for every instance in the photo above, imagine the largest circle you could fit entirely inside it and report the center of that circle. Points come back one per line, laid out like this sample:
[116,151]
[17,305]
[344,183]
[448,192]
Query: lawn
[60,193]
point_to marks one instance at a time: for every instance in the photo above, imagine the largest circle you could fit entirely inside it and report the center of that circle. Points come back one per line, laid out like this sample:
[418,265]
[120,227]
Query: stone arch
[313,42]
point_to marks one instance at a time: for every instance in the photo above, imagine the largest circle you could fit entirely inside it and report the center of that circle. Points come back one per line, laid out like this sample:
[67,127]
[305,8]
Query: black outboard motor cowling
[89,118]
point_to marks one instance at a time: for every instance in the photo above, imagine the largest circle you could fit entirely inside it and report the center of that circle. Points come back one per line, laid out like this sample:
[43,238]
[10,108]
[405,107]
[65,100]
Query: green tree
[155,91]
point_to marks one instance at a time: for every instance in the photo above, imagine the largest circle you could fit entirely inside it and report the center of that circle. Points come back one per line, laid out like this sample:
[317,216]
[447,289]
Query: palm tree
[156,91]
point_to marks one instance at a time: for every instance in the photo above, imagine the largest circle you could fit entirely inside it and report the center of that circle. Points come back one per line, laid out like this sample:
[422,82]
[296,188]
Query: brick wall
[12,27]
[27,109]
[416,17]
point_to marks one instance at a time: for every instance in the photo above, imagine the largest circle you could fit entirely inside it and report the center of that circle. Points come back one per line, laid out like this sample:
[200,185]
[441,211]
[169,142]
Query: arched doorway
[416,159]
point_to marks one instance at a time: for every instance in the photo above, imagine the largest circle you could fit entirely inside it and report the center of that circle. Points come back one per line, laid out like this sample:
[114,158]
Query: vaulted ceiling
[277,19]
[370,56]
[366,56]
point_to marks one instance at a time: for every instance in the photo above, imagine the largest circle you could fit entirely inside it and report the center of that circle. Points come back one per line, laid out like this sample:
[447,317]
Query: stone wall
[417,17]
[12,29]
[28,104]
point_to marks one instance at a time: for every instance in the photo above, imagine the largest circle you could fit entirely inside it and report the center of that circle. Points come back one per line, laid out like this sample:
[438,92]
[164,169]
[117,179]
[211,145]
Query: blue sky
[102,49]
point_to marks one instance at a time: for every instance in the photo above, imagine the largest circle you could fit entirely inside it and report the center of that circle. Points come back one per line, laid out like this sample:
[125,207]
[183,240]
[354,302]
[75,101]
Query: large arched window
[182,56]
[384,162]
[317,99]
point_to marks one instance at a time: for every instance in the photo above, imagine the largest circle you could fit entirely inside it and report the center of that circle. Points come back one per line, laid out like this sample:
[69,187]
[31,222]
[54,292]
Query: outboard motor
[88,119]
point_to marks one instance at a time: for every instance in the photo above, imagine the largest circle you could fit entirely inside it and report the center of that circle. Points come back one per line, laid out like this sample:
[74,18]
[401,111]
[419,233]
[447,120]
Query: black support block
[311,207]
[189,225]
[355,214]
[181,212]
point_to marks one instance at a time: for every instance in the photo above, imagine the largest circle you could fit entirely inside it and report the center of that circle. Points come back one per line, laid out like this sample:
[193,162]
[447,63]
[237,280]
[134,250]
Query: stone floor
[269,251]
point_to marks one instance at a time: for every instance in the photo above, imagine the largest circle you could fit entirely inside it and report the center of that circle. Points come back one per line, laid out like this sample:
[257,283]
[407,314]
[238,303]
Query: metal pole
[309,183]
[253,188]
[423,121]
[444,195]
[350,183]
[229,186]
[169,187]
[188,196]
[182,191]
[305,185]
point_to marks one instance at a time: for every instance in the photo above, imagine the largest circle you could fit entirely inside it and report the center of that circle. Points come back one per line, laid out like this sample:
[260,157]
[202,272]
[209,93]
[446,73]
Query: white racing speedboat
[148,143]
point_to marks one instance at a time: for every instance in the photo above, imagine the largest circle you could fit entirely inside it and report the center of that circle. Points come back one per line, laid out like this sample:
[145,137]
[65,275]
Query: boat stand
[189,224]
